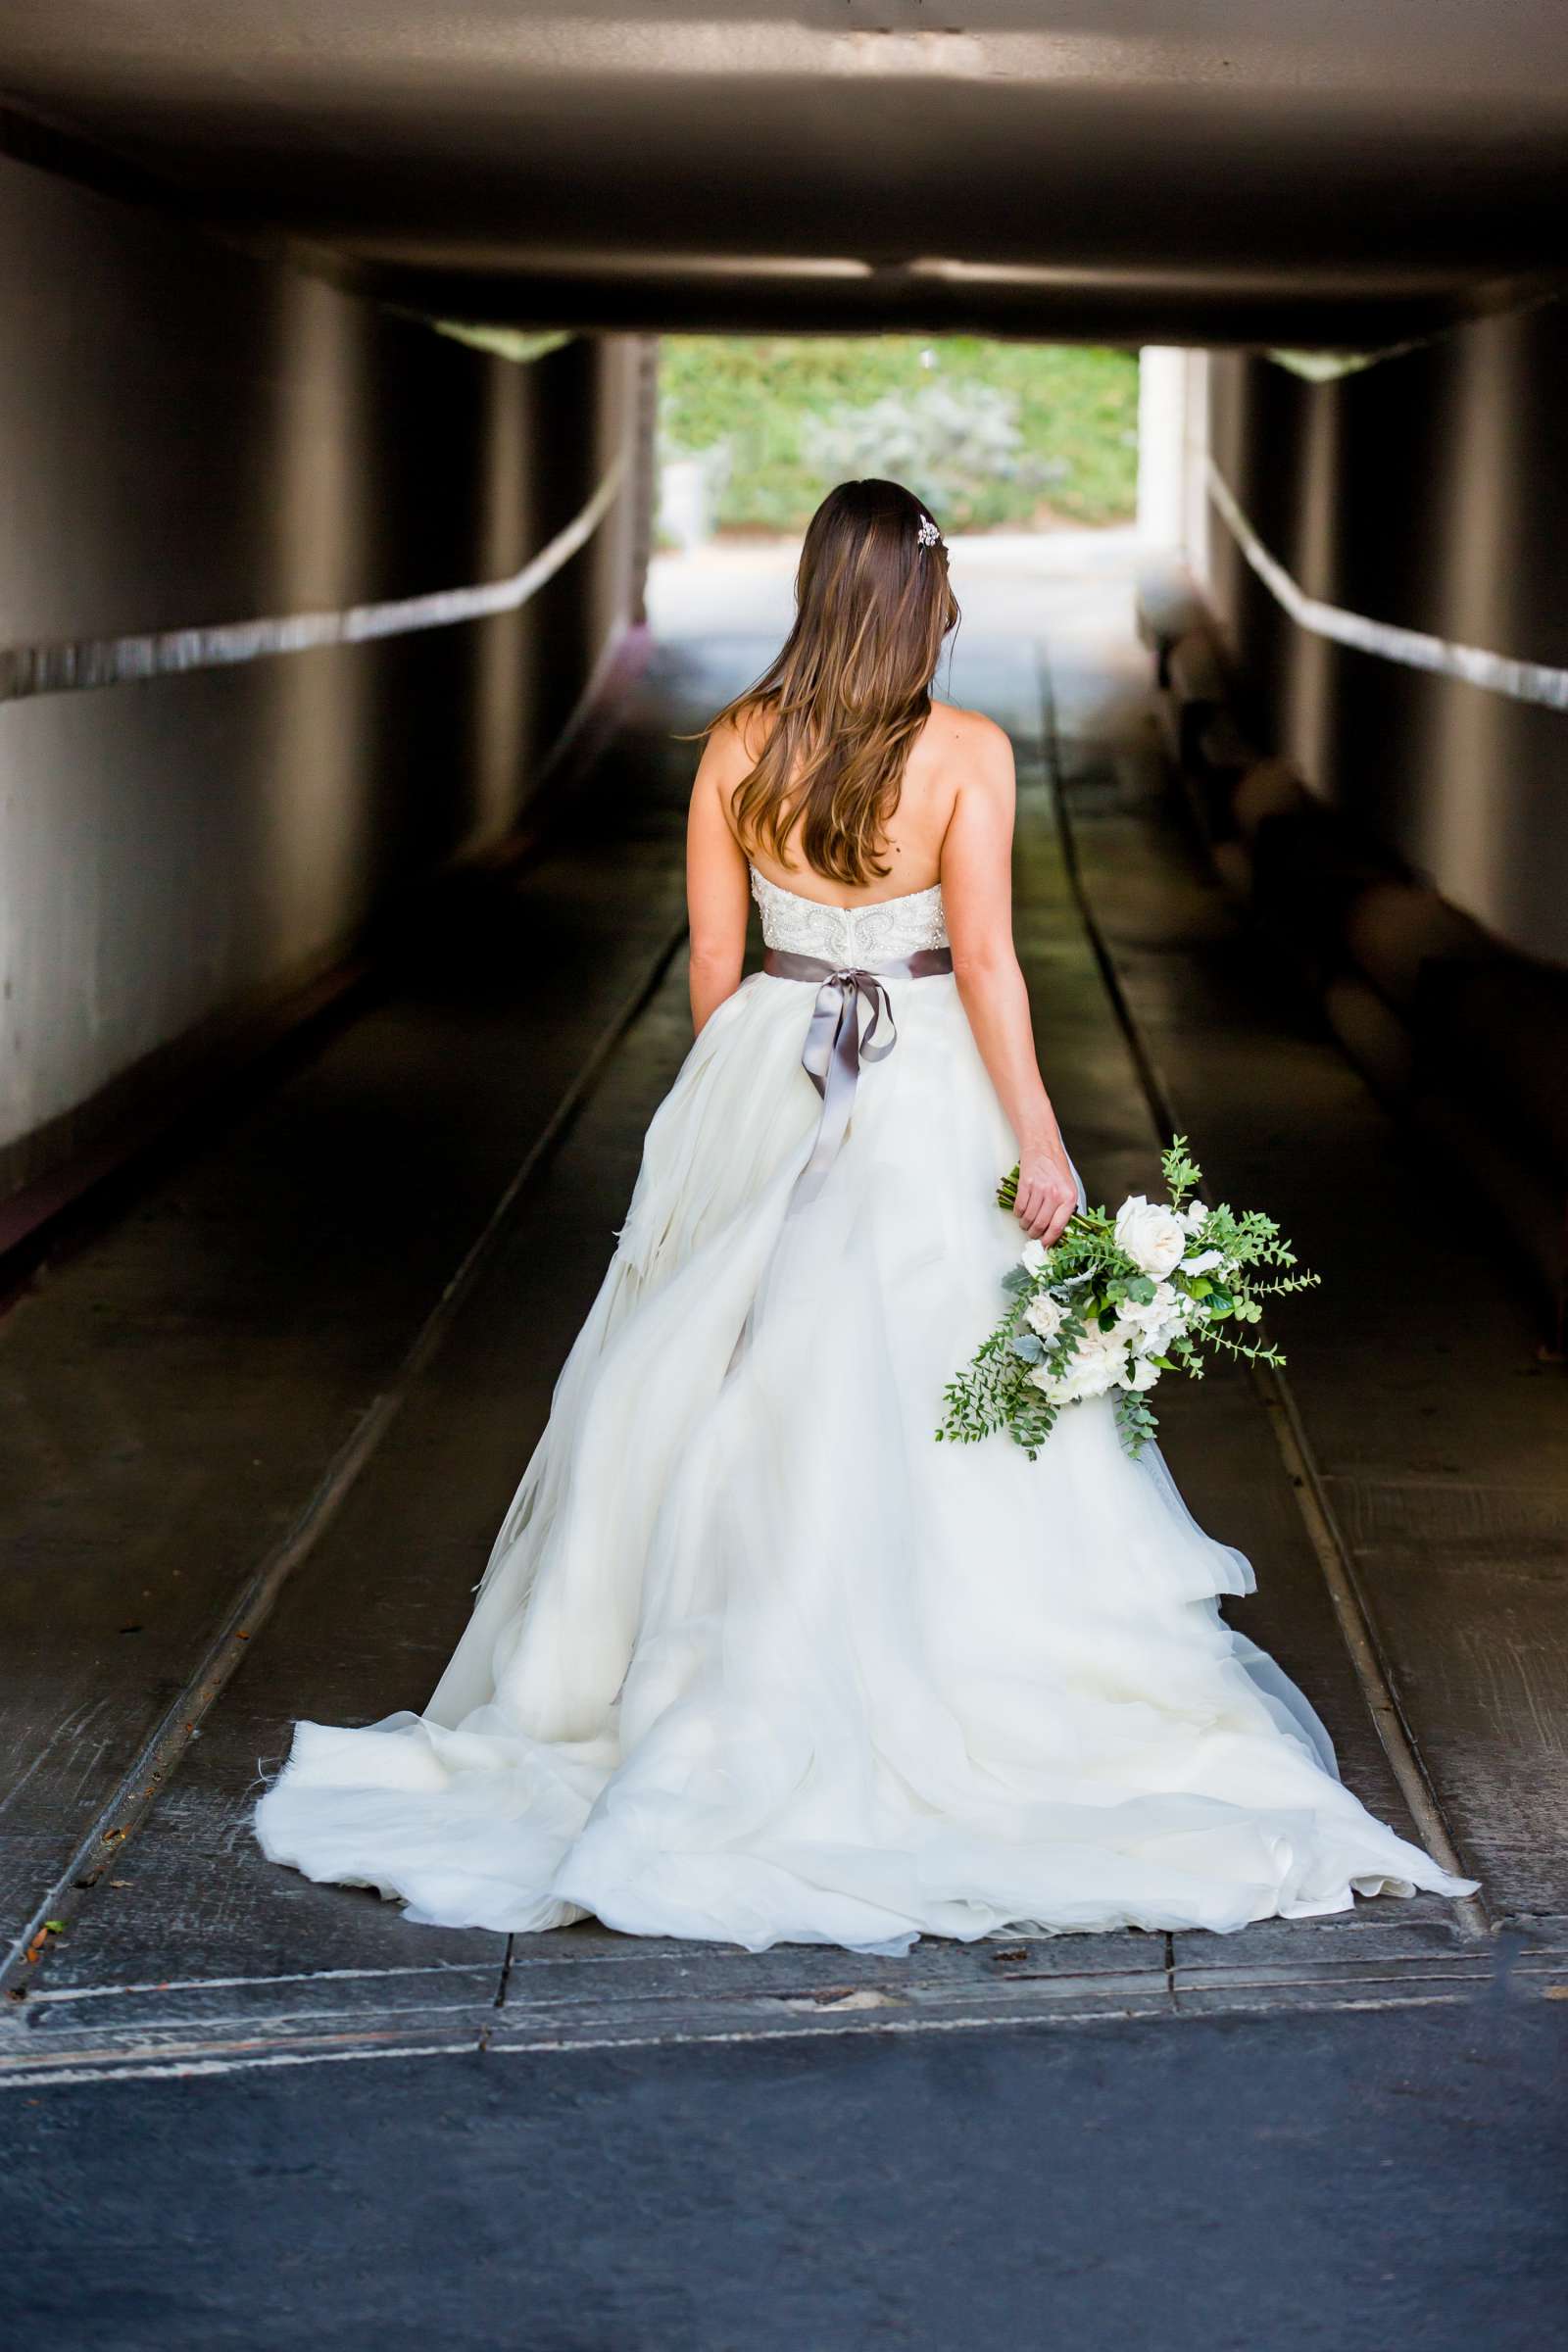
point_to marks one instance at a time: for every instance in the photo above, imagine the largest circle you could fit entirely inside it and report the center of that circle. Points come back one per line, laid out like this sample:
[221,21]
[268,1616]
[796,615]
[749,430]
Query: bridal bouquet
[1115,1304]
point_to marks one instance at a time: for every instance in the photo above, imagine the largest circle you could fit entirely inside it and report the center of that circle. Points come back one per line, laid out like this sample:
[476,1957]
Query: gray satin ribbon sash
[834,1044]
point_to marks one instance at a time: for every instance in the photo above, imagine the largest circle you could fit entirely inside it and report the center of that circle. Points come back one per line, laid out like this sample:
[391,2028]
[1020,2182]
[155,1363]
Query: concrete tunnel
[316,597]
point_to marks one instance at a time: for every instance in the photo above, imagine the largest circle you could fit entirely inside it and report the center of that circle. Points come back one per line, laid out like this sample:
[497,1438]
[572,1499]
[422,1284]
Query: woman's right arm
[977,896]
[718,885]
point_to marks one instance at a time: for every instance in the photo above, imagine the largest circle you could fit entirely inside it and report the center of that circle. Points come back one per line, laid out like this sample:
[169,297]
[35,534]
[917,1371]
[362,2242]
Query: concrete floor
[256,1444]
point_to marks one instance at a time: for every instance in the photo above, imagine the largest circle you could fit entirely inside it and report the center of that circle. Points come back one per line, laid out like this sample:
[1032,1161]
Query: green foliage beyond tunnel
[994,435]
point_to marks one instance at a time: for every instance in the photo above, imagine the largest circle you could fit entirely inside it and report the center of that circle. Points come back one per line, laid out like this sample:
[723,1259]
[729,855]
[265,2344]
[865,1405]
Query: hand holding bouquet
[1115,1304]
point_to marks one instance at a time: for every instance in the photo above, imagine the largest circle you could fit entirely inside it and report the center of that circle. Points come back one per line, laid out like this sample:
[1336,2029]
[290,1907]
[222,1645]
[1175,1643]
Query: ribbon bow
[836,1044]
[835,1048]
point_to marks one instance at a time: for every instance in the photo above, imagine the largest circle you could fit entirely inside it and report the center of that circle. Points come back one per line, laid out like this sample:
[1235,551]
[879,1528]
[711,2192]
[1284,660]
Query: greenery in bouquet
[1117,1303]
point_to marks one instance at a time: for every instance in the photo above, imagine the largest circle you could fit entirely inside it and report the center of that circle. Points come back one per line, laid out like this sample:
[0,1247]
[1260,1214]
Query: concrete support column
[1162,397]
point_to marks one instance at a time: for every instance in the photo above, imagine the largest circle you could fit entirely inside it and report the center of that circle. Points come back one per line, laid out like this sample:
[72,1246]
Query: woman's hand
[1047,1194]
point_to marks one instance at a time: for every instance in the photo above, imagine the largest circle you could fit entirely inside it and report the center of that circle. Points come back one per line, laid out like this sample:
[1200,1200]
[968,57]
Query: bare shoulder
[968,733]
[973,747]
[731,751]
[746,731]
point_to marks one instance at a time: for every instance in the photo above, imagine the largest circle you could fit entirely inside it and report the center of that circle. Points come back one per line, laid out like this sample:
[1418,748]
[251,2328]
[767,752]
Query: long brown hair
[851,689]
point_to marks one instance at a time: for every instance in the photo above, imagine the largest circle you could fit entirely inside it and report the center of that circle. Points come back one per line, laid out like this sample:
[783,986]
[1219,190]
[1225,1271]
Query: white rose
[1153,1316]
[1044,1315]
[1158,1342]
[1143,1374]
[1204,1262]
[1098,1363]
[1033,1255]
[1189,1310]
[1153,1238]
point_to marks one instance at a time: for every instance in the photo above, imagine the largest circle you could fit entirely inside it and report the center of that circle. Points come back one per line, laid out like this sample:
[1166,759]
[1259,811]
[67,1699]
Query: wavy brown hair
[851,689]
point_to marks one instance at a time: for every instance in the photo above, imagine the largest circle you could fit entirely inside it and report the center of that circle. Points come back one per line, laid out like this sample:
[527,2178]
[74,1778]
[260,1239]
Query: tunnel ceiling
[1219,170]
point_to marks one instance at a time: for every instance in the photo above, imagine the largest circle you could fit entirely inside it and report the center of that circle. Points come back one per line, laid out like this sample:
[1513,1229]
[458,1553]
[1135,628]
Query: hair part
[851,688]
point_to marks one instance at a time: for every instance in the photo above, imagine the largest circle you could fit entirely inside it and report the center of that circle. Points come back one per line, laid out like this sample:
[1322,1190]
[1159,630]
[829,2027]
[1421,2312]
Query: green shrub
[993,435]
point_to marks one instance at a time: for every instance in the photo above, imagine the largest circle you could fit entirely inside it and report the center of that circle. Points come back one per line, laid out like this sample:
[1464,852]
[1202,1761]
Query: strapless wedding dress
[755,1659]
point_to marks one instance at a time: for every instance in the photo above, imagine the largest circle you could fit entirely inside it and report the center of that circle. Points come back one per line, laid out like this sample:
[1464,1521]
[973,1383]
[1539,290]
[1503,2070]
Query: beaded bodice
[849,935]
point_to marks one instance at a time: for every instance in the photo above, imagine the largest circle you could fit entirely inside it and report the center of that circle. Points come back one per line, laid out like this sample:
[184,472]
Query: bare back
[911,847]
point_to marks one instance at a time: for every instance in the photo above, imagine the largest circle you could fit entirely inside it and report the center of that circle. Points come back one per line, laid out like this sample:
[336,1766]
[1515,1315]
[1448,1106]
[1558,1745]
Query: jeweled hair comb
[927,534]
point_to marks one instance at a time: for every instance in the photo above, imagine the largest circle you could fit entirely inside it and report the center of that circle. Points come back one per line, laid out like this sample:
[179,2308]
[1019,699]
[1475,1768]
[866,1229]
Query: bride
[754,1658]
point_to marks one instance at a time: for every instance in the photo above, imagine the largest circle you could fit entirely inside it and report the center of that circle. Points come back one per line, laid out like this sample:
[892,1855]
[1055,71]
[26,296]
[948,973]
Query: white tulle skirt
[755,1660]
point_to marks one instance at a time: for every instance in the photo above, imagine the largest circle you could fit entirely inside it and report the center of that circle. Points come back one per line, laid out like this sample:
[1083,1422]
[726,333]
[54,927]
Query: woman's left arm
[717,887]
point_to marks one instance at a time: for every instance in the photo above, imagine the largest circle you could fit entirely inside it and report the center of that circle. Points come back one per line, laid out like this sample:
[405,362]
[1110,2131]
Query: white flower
[1193,1215]
[1143,1374]
[1151,1329]
[1098,1363]
[1153,1238]
[1203,1262]
[1033,1255]
[1154,1314]
[1043,1314]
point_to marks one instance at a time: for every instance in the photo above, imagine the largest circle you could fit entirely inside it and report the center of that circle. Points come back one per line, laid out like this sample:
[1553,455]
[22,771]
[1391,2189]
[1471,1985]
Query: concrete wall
[1431,491]
[191,436]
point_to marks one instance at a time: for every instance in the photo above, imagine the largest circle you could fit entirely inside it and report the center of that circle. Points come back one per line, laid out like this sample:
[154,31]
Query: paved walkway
[1346,2183]
[261,1428]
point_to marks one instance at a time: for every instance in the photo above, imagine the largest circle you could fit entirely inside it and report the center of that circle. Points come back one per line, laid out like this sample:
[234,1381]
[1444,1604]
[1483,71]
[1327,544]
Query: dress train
[754,1658]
